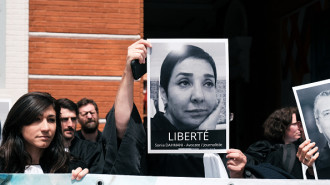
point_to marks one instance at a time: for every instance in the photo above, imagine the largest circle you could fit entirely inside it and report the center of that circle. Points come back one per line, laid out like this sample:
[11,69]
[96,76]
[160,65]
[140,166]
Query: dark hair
[276,124]
[67,104]
[175,57]
[24,112]
[86,101]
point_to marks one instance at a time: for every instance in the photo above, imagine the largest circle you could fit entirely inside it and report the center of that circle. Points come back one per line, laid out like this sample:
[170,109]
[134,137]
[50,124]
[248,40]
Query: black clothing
[89,152]
[266,171]
[123,157]
[258,151]
[323,163]
[99,139]
[181,165]
[191,165]
[131,156]
[282,156]
[126,156]
[75,163]
[164,133]
[101,143]
[81,136]
[160,122]
[285,158]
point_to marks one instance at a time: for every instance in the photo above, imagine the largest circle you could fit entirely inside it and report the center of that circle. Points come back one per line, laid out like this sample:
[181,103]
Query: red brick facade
[83,56]
[122,17]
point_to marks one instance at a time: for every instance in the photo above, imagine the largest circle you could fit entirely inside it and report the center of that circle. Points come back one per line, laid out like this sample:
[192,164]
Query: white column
[14,40]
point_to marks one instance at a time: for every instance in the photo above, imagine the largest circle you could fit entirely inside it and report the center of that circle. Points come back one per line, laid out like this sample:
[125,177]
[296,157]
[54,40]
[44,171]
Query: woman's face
[40,133]
[293,131]
[191,93]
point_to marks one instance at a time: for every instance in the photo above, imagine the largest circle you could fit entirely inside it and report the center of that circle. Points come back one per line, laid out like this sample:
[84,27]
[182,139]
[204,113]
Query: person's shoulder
[82,145]
[78,134]
[258,151]
[260,145]
[263,142]
[160,122]
[86,143]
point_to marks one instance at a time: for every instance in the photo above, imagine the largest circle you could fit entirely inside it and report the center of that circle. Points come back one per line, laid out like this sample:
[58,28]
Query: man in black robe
[84,150]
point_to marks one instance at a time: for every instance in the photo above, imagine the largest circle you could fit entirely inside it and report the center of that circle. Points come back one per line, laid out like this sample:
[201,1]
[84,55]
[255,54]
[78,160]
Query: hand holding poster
[313,101]
[188,96]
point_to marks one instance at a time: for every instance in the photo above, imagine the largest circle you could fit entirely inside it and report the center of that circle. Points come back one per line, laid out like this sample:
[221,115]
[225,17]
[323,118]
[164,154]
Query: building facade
[71,49]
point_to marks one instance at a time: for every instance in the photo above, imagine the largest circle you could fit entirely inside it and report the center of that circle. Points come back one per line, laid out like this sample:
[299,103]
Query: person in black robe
[125,122]
[87,151]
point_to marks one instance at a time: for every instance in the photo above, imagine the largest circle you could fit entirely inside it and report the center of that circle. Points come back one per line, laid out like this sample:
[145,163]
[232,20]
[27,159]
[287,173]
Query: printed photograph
[188,103]
[313,101]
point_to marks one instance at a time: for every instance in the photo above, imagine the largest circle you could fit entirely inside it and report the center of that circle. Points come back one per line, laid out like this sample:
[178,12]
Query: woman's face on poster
[191,93]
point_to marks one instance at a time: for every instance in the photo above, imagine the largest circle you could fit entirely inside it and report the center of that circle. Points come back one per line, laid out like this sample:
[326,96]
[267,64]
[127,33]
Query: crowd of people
[39,134]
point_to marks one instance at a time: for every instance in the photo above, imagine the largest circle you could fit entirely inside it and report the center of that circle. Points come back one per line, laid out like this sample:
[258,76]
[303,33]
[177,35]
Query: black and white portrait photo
[188,96]
[313,101]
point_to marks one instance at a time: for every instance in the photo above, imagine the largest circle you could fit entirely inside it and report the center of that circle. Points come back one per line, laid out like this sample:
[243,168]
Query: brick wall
[84,16]
[83,39]
[65,56]
[102,92]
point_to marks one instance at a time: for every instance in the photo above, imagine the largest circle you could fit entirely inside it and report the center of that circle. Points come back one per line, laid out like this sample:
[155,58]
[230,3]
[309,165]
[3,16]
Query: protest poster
[188,99]
[313,101]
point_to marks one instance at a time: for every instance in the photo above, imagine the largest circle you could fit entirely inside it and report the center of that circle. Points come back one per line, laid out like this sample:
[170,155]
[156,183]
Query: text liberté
[188,136]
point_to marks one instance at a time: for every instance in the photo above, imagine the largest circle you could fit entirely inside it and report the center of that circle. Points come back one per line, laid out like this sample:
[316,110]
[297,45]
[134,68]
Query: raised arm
[124,98]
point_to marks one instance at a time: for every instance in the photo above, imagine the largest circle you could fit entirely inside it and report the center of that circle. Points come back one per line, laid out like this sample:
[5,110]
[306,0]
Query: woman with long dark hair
[32,139]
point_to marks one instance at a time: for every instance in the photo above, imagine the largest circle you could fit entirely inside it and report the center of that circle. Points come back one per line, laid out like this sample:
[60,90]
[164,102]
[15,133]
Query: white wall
[2,42]
[14,29]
